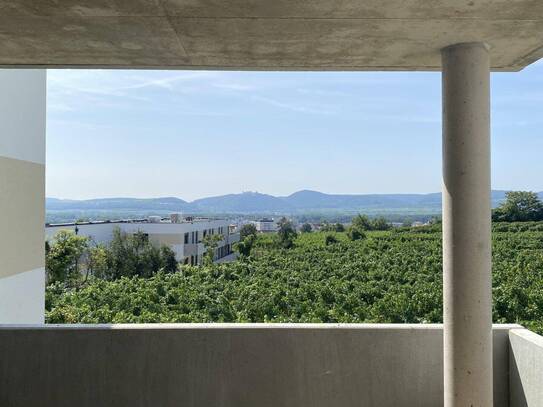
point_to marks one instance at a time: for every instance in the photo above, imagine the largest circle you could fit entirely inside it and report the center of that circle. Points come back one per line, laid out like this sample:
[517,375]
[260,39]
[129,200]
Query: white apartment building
[182,234]
[265,225]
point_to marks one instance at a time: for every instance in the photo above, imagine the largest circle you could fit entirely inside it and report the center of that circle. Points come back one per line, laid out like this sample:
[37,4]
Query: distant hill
[254,202]
[317,200]
[246,202]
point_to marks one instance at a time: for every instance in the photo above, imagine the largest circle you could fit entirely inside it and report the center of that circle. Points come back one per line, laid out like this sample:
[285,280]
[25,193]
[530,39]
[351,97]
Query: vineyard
[389,276]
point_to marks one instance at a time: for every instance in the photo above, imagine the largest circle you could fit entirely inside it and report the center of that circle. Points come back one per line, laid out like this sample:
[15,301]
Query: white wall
[526,368]
[103,232]
[100,233]
[22,298]
[22,195]
[22,114]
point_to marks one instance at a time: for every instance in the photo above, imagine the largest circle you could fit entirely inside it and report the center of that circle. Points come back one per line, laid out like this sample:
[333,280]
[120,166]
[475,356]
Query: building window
[187,238]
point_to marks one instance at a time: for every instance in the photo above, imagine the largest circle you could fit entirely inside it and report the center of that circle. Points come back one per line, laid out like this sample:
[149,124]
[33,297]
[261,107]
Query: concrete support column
[22,196]
[467,307]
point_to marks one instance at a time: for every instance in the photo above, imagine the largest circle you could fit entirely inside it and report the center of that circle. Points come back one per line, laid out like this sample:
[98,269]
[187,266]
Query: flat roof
[346,35]
[165,221]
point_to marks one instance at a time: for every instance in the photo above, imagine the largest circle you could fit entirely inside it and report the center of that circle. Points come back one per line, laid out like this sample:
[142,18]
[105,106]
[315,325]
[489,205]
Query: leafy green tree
[361,222]
[64,255]
[245,246]
[134,255]
[97,264]
[247,230]
[359,225]
[248,236]
[211,242]
[330,239]
[332,227]
[306,228]
[168,262]
[71,258]
[519,206]
[123,256]
[339,227]
[286,234]
[380,224]
[355,233]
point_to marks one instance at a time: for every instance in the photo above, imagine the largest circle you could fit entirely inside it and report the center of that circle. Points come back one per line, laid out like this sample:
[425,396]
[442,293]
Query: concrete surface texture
[263,34]
[231,365]
[467,281]
[526,368]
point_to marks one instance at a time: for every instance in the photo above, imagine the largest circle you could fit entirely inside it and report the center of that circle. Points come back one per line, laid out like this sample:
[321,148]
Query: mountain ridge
[255,202]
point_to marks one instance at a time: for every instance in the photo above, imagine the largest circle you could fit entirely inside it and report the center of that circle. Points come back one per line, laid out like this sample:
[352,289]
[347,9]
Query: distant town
[182,226]
[302,206]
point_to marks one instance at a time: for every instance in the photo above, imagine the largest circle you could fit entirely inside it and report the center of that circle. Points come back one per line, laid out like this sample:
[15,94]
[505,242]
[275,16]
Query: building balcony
[193,249]
[261,365]
[250,365]
[232,238]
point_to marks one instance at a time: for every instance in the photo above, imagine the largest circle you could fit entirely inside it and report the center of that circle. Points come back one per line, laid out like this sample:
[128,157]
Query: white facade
[184,237]
[22,195]
[265,225]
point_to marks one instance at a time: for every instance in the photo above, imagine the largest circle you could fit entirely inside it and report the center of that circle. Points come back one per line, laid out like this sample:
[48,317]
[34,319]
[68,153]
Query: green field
[393,276]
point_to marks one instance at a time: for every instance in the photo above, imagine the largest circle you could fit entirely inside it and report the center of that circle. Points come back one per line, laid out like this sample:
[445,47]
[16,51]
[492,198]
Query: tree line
[519,206]
[72,259]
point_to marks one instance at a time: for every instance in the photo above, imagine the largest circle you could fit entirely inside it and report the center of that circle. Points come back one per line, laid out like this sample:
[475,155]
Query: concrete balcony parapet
[244,365]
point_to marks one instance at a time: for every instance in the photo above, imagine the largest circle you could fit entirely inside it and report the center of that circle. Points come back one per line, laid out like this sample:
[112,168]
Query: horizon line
[275,196]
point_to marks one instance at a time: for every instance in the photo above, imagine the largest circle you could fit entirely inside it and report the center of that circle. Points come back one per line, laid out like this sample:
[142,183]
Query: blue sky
[192,134]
